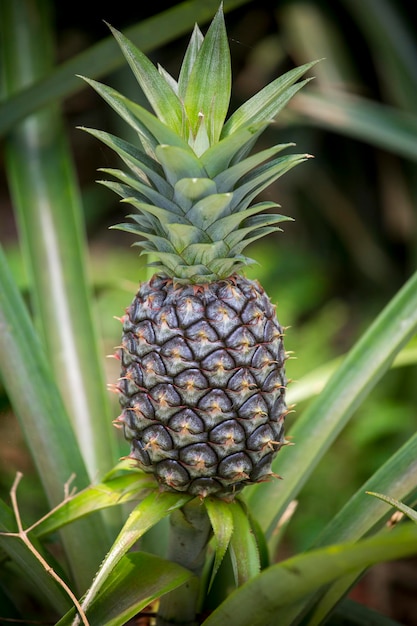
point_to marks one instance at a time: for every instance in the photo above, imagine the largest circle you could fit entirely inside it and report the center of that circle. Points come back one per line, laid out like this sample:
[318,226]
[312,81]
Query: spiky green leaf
[159,93]
[179,163]
[228,178]
[151,510]
[243,548]
[209,210]
[220,155]
[221,520]
[261,177]
[187,191]
[189,59]
[182,235]
[142,165]
[223,226]
[267,103]
[119,104]
[209,84]
[204,253]
[285,583]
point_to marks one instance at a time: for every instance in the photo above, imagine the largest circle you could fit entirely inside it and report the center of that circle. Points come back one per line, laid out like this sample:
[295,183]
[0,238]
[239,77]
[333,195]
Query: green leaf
[243,547]
[160,131]
[189,190]
[43,419]
[267,103]
[228,177]
[141,164]
[209,84]
[150,129]
[164,216]
[188,61]
[400,506]
[313,383]
[47,205]
[219,156]
[159,93]
[149,512]
[179,163]
[227,228]
[136,581]
[119,104]
[319,425]
[131,486]
[359,615]
[262,176]
[284,584]
[361,514]
[182,236]
[146,192]
[221,519]
[204,253]
[378,124]
[208,211]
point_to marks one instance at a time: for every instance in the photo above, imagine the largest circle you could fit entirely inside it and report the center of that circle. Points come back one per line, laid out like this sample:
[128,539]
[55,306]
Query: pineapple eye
[248,384]
[188,306]
[259,411]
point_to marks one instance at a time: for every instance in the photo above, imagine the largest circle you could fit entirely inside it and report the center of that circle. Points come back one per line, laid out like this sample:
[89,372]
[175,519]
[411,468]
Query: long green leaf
[159,93]
[400,506]
[313,383]
[284,584]
[44,422]
[189,58]
[243,547]
[393,47]
[46,198]
[319,425]
[208,90]
[136,581]
[221,519]
[116,491]
[361,513]
[267,103]
[359,615]
[396,478]
[105,56]
[149,512]
[354,116]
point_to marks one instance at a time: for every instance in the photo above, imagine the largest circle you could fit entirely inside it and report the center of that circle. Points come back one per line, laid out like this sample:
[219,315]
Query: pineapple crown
[191,179]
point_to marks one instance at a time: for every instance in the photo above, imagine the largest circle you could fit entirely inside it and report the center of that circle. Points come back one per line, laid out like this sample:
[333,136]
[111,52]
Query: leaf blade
[284,584]
[315,430]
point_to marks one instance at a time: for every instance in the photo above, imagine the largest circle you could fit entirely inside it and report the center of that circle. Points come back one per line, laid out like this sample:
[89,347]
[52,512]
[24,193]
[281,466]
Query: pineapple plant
[202,385]
[129,581]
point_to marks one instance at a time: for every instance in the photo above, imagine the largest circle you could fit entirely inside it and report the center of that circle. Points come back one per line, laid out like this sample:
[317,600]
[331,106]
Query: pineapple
[202,385]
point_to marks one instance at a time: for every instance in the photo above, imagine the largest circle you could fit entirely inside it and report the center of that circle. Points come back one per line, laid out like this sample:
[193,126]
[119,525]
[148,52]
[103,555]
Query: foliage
[354,410]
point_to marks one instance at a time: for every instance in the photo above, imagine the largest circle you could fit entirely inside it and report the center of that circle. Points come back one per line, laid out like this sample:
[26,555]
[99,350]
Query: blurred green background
[353,241]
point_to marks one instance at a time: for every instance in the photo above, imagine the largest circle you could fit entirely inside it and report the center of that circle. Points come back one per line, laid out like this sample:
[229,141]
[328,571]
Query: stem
[190,532]
[23,535]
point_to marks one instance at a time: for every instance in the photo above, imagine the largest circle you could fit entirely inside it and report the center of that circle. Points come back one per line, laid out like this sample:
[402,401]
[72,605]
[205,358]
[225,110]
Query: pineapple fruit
[202,385]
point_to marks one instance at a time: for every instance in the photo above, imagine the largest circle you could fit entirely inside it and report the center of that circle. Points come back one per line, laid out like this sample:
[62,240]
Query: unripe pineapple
[202,385]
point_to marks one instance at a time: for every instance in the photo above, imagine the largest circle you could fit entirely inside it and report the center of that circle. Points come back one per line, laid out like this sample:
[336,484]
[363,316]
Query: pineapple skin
[203,384]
